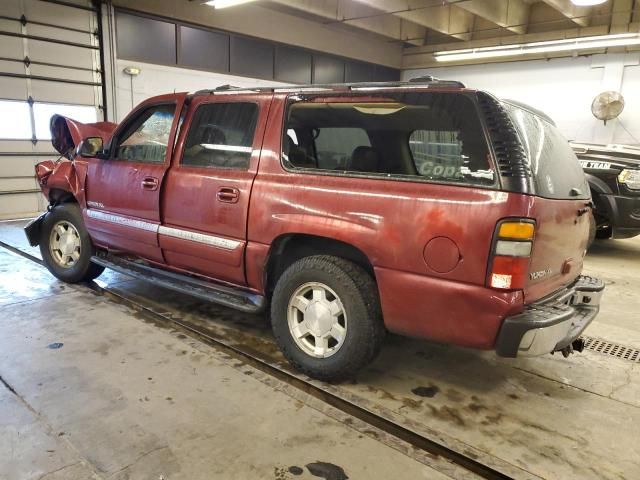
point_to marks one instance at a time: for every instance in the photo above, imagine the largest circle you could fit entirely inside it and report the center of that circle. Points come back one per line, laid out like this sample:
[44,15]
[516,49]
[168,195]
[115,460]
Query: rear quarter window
[556,170]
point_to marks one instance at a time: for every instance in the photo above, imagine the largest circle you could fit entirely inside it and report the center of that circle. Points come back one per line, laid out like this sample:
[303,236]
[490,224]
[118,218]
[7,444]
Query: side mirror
[90,147]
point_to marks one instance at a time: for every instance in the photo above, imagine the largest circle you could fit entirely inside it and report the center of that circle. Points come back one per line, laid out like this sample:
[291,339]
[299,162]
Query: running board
[209,291]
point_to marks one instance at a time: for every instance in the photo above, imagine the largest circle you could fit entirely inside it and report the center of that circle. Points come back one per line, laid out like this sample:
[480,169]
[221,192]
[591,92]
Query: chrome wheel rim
[317,320]
[64,244]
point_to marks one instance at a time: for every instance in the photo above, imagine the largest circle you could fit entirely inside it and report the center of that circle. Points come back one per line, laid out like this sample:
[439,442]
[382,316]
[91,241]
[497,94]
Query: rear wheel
[326,317]
[66,247]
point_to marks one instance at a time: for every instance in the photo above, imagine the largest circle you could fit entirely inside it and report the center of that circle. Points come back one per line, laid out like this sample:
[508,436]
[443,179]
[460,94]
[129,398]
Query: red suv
[421,208]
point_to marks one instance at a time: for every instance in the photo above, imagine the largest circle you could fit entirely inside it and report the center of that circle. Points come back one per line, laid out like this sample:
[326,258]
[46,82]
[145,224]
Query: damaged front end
[62,180]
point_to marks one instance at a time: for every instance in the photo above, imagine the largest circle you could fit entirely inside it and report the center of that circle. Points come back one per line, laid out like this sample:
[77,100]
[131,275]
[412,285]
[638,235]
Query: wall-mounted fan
[607,106]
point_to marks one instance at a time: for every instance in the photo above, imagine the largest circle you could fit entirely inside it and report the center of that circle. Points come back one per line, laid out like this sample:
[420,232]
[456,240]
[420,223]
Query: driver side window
[146,138]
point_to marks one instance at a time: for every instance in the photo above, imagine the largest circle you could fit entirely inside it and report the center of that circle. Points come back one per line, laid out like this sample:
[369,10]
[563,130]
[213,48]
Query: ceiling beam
[510,14]
[578,15]
[359,16]
[621,13]
[422,57]
[446,19]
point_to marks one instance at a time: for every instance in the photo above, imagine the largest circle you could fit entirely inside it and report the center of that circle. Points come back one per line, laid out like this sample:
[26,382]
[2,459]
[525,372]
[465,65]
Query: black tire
[604,233]
[358,293]
[592,231]
[82,269]
[603,230]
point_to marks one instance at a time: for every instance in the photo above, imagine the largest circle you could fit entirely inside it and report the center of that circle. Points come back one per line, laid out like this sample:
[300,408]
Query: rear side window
[146,138]
[334,146]
[221,136]
[556,170]
[436,153]
[429,136]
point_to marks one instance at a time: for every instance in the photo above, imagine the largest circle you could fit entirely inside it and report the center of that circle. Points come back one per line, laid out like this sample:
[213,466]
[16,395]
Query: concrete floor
[123,398]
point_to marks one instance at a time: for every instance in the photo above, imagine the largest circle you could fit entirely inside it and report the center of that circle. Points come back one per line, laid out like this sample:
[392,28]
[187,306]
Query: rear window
[556,169]
[428,136]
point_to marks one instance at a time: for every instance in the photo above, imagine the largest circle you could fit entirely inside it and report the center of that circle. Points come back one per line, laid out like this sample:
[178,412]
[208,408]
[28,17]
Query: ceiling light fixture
[226,3]
[587,3]
[567,45]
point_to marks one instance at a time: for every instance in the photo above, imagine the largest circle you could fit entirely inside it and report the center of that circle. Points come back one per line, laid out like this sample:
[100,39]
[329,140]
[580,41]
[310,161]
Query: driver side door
[123,191]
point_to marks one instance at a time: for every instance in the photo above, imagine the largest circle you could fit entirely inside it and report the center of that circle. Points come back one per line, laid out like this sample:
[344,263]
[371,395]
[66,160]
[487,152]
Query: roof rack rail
[414,82]
[424,79]
[226,87]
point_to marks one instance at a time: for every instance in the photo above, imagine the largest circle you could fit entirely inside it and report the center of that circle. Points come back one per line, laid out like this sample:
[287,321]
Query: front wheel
[66,247]
[326,317]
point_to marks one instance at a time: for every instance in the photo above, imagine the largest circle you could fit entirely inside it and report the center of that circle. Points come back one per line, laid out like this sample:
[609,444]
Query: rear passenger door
[208,188]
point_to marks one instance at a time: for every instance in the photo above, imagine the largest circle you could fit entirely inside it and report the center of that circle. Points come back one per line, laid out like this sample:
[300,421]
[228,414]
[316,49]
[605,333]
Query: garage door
[49,63]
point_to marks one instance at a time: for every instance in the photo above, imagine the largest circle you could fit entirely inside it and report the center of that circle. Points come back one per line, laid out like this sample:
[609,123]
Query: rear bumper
[552,323]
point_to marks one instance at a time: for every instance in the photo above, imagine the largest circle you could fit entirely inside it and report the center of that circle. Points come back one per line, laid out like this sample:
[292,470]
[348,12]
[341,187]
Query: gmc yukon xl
[422,208]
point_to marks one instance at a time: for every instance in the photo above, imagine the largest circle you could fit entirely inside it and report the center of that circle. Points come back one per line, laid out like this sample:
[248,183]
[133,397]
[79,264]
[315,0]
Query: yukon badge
[539,274]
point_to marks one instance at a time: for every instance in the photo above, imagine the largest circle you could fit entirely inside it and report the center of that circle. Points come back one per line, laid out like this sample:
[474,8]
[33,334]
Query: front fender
[64,176]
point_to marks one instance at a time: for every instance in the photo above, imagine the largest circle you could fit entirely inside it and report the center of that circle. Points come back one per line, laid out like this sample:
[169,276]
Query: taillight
[511,254]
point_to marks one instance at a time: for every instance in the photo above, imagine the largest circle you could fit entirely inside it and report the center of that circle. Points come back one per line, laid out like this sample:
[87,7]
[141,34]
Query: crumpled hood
[66,133]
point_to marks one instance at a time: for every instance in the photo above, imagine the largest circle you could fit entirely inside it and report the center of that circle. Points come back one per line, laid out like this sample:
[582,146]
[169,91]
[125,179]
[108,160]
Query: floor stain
[371,433]
[328,471]
[447,414]
[492,419]
[411,403]
[295,470]
[429,392]
[280,473]
[476,407]
[471,454]
[454,395]
[383,394]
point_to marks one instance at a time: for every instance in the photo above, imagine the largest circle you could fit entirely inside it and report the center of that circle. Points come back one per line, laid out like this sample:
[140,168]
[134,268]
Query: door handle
[228,194]
[150,183]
